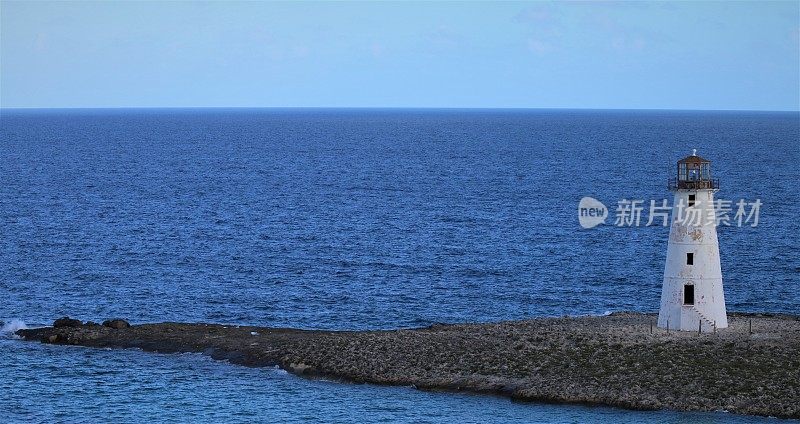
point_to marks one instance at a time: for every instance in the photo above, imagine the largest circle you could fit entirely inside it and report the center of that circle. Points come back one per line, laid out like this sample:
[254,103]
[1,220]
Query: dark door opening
[688,294]
[690,258]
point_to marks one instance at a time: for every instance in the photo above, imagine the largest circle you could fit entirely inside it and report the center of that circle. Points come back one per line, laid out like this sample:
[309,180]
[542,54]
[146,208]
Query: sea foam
[10,327]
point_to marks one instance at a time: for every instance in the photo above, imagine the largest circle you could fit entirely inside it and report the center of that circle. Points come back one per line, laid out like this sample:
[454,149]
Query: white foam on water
[10,327]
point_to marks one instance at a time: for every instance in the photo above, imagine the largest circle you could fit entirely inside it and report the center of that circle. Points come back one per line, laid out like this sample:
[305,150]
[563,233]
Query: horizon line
[2,108]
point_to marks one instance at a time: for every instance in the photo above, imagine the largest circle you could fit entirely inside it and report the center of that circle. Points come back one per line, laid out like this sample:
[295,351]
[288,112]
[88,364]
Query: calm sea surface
[352,219]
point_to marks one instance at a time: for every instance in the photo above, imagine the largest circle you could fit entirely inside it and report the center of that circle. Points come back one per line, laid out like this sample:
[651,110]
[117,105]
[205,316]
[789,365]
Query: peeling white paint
[700,238]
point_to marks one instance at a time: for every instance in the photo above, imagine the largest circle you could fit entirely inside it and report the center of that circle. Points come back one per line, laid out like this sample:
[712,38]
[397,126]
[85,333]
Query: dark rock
[67,322]
[615,360]
[117,324]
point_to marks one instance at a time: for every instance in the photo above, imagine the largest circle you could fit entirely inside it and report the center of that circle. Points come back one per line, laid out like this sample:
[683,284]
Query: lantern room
[694,173]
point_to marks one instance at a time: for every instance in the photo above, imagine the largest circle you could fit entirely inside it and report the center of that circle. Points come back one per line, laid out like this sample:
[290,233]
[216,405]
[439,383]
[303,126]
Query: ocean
[353,219]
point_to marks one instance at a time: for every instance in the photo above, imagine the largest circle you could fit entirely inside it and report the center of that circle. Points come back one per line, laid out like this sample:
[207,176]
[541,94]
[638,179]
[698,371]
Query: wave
[10,327]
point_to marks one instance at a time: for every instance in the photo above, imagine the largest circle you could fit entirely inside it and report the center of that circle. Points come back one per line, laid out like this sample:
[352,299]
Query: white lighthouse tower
[692,298]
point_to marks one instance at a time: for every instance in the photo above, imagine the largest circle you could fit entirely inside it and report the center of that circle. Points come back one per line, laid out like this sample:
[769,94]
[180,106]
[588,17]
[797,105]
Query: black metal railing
[676,184]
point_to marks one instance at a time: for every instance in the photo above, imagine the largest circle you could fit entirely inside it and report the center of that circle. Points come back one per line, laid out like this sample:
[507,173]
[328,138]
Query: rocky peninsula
[621,360]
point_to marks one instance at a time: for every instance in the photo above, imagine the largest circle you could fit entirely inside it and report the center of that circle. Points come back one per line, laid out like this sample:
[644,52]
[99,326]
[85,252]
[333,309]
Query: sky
[598,55]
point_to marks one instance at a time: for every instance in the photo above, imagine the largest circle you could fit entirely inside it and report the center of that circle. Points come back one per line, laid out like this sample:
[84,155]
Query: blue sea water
[351,219]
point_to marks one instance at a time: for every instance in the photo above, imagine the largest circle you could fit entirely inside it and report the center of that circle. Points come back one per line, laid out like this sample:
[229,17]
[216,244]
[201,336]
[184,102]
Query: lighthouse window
[690,259]
[692,198]
[688,294]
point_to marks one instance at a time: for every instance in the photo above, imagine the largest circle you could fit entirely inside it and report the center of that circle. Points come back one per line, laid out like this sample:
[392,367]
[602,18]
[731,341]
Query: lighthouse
[692,298]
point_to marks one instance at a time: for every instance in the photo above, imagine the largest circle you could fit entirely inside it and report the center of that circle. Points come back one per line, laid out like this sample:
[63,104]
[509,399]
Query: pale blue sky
[632,55]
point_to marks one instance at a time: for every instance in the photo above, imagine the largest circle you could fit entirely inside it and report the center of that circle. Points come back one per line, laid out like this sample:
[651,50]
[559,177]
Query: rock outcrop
[117,324]
[622,360]
[67,322]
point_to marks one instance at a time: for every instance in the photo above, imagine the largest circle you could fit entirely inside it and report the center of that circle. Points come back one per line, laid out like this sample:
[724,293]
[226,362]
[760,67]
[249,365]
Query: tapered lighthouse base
[692,297]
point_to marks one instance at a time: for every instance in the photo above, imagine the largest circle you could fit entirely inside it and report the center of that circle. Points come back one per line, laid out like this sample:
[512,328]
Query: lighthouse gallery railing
[675,184]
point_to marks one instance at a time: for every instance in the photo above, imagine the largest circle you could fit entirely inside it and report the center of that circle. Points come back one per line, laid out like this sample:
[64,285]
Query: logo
[591,212]
[630,213]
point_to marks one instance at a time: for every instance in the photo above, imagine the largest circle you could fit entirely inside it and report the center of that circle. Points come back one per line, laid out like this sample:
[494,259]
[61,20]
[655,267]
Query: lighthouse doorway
[688,294]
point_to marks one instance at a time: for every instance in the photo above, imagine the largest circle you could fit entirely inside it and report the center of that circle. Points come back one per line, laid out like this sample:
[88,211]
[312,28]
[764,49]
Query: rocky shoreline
[621,360]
